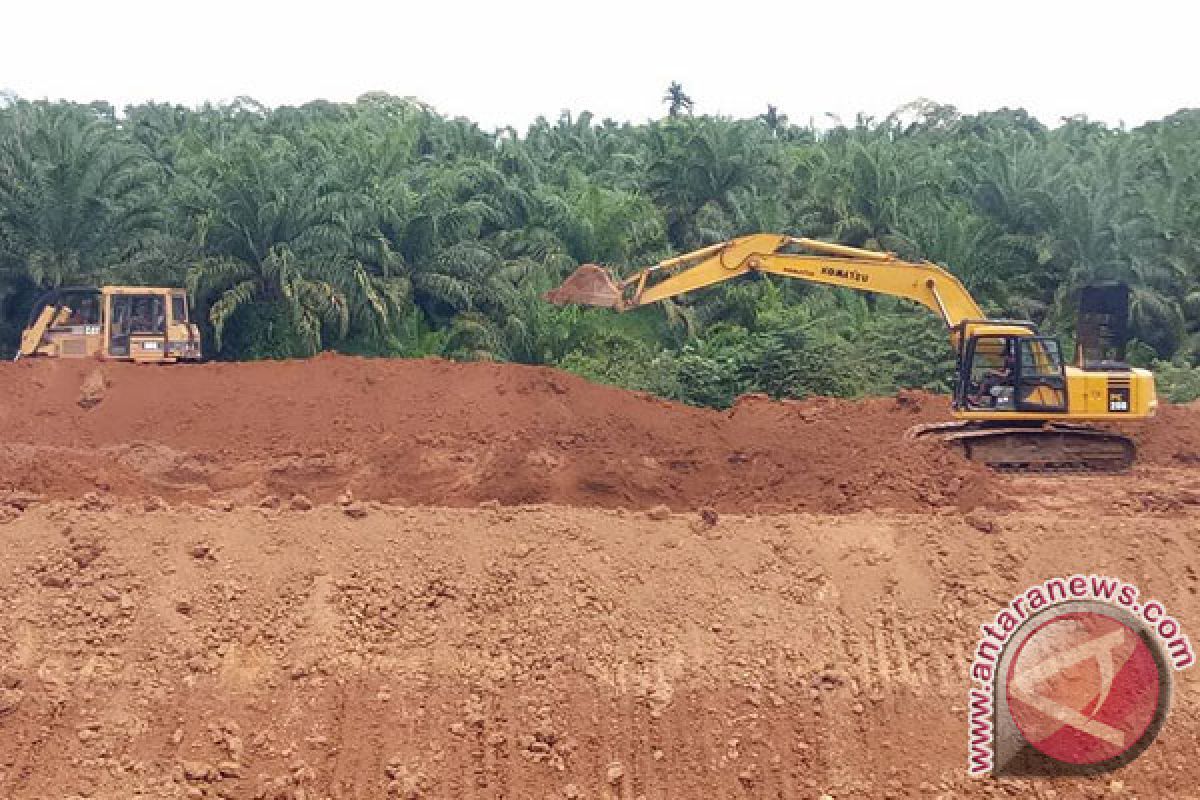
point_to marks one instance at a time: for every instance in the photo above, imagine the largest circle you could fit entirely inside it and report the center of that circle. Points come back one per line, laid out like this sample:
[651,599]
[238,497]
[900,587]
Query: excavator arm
[819,262]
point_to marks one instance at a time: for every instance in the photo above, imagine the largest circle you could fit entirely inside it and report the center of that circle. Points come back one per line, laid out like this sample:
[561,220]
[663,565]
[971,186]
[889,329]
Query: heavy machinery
[125,323]
[1017,406]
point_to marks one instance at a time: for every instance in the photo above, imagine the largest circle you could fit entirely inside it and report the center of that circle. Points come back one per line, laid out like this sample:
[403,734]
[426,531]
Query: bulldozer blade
[590,285]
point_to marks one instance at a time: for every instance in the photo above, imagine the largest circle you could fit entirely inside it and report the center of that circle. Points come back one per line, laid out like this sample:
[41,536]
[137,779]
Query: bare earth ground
[171,633]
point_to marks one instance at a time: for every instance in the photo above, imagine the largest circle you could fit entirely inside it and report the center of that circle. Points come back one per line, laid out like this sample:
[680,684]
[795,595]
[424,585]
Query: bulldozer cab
[1005,372]
[138,325]
[132,323]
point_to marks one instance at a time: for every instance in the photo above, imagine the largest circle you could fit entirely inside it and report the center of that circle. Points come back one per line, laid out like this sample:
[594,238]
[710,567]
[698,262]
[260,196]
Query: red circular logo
[1084,688]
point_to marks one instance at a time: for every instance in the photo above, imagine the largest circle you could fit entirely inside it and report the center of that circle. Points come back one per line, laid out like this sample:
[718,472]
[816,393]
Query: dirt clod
[981,523]
[659,513]
[10,699]
[91,391]
[198,771]
[20,501]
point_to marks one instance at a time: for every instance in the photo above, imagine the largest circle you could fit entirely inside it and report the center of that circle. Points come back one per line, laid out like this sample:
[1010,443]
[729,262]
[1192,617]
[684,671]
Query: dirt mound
[1172,438]
[432,432]
[442,433]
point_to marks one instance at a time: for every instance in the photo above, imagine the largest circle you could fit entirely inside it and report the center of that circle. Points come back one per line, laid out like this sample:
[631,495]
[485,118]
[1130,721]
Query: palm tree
[1104,236]
[274,230]
[698,162]
[774,121]
[864,191]
[677,100]
[75,197]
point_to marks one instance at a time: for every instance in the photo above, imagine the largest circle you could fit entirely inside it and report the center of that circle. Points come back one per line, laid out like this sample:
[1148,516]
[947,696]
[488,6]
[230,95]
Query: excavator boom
[808,259]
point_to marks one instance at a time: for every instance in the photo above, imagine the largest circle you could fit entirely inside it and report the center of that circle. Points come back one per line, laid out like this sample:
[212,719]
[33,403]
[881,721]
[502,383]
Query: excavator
[1016,405]
[122,323]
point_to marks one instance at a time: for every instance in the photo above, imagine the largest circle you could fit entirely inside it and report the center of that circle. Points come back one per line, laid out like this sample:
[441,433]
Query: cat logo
[1118,399]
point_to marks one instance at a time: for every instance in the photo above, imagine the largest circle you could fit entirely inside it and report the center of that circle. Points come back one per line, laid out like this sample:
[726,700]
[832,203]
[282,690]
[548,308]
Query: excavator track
[1052,448]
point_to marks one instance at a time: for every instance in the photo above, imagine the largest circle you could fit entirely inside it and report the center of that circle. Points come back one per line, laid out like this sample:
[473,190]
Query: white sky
[507,61]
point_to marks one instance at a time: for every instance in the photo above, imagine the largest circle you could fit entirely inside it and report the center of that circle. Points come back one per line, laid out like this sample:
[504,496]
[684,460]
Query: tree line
[382,227]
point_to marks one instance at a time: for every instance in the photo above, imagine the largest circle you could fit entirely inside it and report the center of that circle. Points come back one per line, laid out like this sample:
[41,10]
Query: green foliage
[716,369]
[617,358]
[261,331]
[907,349]
[75,195]
[381,227]
[1179,383]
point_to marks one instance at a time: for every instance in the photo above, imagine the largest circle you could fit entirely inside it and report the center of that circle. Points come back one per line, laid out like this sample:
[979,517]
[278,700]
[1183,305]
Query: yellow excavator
[122,323]
[1017,406]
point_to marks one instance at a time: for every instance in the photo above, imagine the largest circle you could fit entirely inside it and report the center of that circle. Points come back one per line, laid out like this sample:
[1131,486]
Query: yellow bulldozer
[1016,405]
[123,323]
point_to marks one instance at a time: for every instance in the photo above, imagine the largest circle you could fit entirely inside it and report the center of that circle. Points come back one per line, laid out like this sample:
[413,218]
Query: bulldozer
[123,323]
[1016,405]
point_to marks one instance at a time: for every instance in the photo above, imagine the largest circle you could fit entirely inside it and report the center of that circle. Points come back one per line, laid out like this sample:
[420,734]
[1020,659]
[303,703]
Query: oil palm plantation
[272,230]
[382,226]
[76,197]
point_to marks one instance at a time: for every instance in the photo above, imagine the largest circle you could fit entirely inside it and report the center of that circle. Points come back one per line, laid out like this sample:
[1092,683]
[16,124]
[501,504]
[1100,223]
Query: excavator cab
[126,323]
[1012,373]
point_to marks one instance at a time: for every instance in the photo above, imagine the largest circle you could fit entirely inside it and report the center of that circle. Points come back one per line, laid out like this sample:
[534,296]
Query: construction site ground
[350,578]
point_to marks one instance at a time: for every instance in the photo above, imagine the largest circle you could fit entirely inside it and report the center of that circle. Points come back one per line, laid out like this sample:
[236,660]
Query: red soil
[377,650]
[441,433]
[432,432]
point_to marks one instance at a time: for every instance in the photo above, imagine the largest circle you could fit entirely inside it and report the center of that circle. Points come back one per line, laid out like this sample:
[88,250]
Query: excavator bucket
[590,285]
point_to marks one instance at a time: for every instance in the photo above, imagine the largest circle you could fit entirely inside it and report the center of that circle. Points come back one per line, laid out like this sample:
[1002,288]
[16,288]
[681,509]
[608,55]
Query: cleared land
[486,601]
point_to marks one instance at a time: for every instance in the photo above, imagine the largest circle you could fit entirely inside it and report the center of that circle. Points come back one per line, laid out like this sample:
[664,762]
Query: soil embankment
[432,432]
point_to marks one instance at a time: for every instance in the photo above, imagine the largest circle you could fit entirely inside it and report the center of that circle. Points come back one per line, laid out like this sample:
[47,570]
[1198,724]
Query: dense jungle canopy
[384,228]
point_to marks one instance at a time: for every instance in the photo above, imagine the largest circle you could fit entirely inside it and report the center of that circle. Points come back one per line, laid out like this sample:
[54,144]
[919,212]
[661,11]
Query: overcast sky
[508,61]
